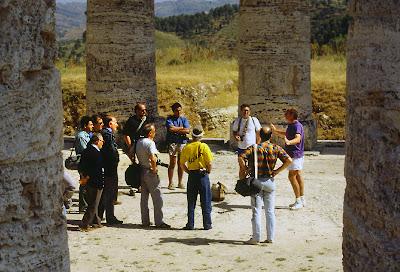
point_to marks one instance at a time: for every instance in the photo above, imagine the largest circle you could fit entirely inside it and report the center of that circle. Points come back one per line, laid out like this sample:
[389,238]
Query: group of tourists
[257,156]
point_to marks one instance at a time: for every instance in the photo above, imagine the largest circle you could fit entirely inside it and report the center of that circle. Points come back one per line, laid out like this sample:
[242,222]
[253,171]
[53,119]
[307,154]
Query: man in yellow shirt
[196,160]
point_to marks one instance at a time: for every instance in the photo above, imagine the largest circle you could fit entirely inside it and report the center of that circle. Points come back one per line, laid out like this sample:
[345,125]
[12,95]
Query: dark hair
[95,117]
[95,137]
[139,104]
[293,112]
[244,106]
[147,128]
[85,121]
[107,119]
[265,133]
[175,106]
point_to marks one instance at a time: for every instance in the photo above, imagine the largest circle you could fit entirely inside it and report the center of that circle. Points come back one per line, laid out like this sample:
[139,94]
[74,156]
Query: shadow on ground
[198,241]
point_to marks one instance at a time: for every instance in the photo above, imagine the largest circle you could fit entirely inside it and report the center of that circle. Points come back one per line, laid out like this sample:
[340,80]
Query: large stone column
[120,56]
[33,235]
[274,61]
[371,234]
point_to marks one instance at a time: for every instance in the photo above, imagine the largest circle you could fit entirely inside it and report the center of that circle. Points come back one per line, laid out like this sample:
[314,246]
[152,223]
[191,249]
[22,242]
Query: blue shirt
[177,122]
[81,141]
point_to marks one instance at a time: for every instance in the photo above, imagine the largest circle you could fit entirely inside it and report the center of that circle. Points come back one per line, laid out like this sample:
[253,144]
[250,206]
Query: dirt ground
[306,240]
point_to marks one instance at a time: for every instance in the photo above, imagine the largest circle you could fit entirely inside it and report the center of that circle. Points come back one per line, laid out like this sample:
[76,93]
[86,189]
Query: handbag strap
[141,123]
[255,161]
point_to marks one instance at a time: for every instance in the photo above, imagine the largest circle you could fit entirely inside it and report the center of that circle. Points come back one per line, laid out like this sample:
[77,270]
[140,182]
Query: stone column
[274,61]
[33,235]
[120,56]
[371,234]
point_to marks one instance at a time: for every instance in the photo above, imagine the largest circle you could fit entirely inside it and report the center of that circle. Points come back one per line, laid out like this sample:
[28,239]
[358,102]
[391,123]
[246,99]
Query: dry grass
[201,81]
[328,77]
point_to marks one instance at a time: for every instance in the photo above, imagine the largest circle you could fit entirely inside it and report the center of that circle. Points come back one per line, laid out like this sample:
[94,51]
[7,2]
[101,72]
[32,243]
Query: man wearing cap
[196,160]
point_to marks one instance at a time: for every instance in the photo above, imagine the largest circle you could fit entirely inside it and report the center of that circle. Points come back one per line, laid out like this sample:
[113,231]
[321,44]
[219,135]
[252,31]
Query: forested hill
[329,24]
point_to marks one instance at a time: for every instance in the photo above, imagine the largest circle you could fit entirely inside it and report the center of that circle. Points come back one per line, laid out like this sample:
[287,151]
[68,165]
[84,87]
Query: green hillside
[168,40]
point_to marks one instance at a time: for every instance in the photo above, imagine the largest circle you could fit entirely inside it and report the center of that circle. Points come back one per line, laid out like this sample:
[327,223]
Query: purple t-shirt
[295,151]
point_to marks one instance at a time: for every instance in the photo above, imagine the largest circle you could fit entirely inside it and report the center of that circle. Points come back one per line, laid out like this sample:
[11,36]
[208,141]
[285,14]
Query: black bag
[245,187]
[72,162]
[133,175]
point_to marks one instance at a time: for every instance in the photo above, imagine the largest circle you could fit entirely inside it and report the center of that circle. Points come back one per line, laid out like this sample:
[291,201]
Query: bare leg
[180,173]
[300,182]
[171,168]
[293,181]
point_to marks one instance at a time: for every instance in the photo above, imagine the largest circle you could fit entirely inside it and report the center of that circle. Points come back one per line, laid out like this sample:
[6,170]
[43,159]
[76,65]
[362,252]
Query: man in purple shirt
[294,146]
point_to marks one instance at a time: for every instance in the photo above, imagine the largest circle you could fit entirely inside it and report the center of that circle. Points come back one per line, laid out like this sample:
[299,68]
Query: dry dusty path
[306,240]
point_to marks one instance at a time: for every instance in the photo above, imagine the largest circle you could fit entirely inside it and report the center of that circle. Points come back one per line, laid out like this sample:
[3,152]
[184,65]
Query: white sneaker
[291,205]
[298,205]
[303,200]
[252,241]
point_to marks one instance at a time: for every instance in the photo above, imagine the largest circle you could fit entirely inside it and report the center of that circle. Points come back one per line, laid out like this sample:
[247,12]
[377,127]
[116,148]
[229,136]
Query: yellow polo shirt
[196,155]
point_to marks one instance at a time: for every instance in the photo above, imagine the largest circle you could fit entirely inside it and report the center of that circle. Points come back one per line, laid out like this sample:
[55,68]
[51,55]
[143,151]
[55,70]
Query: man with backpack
[196,160]
[246,129]
[267,154]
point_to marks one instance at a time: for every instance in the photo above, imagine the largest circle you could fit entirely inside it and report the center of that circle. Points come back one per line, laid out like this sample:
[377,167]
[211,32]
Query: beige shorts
[175,149]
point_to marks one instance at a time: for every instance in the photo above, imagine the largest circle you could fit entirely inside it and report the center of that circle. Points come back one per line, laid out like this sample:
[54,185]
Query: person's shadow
[226,207]
[199,241]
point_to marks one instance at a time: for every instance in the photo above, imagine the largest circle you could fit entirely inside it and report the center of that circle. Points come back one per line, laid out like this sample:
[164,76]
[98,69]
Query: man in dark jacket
[111,160]
[92,171]
[133,129]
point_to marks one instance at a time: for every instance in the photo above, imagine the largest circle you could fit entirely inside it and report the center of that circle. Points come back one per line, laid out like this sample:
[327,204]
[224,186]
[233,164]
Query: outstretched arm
[279,132]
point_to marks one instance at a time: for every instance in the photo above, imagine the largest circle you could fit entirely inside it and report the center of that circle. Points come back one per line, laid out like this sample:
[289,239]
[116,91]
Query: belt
[199,171]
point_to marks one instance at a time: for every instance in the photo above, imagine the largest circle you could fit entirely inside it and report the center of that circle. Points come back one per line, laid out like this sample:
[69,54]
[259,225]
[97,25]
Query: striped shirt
[267,154]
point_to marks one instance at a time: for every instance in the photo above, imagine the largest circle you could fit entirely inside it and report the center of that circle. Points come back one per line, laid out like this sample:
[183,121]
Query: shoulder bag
[246,187]
[72,162]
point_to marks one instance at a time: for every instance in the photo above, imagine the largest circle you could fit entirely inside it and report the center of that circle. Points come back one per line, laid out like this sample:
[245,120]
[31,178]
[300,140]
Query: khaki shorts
[175,149]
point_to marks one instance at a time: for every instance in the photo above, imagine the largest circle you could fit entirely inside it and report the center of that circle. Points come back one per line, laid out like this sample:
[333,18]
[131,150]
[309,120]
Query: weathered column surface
[33,235]
[371,234]
[120,56]
[274,61]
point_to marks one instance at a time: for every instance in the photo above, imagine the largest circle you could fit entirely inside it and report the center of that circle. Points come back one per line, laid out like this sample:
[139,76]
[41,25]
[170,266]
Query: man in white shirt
[246,129]
[146,153]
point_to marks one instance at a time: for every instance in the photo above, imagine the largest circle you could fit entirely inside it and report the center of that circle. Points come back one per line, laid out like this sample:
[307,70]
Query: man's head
[176,109]
[111,122]
[245,110]
[197,133]
[140,110]
[291,115]
[265,133]
[97,139]
[97,123]
[149,130]
[86,124]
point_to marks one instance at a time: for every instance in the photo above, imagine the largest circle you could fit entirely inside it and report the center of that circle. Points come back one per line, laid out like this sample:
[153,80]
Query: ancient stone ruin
[33,235]
[274,75]
[371,234]
[274,61]
[120,57]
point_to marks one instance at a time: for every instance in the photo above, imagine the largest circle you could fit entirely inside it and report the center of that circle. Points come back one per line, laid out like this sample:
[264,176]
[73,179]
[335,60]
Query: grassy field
[206,82]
